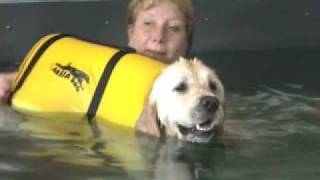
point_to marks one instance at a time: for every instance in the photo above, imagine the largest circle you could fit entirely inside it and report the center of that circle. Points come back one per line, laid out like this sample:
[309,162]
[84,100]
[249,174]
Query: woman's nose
[158,35]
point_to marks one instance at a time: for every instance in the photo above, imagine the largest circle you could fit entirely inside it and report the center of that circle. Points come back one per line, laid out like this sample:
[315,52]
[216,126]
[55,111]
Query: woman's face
[159,32]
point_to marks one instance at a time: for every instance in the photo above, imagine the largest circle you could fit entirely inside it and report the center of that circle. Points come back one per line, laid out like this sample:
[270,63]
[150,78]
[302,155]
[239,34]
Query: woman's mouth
[156,54]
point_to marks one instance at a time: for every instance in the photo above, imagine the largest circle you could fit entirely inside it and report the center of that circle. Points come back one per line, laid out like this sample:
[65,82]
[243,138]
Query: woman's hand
[5,86]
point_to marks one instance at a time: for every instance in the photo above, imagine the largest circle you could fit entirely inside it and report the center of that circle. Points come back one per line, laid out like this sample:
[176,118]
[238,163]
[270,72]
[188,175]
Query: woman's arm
[5,85]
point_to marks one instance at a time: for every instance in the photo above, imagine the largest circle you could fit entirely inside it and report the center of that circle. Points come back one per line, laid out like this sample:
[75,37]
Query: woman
[160,29]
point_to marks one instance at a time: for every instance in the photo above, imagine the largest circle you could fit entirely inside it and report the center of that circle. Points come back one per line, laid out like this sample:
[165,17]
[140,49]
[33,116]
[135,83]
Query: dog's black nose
[210,103]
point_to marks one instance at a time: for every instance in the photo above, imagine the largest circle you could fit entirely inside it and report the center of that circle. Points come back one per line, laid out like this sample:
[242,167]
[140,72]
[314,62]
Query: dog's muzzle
[203,117]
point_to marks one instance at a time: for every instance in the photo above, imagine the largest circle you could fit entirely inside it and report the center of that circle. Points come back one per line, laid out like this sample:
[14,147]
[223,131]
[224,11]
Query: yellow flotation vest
[63,74]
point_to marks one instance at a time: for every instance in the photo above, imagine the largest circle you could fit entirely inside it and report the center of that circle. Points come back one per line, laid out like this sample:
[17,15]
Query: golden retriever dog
[186,101]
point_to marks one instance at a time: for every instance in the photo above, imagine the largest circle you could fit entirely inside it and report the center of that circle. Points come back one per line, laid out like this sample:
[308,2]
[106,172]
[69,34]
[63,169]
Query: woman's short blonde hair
[185,6]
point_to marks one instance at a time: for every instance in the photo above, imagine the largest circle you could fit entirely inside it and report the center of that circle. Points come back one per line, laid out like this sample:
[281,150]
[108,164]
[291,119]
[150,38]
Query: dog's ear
[148,121]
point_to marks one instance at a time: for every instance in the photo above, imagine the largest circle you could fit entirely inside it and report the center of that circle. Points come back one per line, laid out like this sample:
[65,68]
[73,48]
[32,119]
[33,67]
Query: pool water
[272,131]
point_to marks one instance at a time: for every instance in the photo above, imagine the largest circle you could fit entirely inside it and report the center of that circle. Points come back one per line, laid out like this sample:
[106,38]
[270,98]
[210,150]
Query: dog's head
[187,101]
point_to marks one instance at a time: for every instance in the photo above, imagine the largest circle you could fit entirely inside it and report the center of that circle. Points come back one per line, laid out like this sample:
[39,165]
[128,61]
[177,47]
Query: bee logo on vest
[76,76]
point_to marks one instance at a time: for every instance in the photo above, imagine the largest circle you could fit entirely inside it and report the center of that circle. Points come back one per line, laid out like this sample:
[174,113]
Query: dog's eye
[212,86]
[182,87]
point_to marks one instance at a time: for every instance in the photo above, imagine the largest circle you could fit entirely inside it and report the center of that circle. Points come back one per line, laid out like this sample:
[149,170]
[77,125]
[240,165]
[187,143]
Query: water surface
[272,132]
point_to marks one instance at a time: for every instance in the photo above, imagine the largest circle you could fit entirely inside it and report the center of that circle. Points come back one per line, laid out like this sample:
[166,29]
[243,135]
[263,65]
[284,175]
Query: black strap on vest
[97,96]
[33,62]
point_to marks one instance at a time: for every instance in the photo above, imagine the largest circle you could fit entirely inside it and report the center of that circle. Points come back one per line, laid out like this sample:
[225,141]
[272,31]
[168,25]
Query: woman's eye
[175,28]
[147,23]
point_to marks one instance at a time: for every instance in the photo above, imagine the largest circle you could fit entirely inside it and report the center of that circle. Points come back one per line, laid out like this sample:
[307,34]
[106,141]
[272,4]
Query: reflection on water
[66,151]
[271,133]
[279,137]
